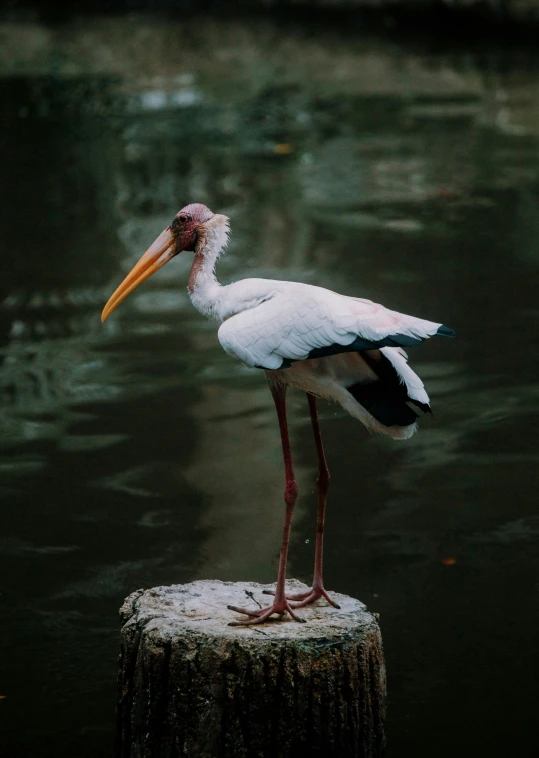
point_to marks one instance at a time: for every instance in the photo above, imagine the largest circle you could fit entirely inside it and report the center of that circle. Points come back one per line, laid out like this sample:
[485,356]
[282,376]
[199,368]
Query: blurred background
[390,154]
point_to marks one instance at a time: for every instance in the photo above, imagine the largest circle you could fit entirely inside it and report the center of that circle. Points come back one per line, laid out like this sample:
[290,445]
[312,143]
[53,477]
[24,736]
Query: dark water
[137,453]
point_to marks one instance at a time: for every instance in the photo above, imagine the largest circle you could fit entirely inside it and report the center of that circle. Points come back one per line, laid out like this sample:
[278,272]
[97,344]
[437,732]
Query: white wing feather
[298,318]
[414,386]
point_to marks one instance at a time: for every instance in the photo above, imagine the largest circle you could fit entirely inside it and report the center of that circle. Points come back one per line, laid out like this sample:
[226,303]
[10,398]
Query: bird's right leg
[280,605]
[322,484]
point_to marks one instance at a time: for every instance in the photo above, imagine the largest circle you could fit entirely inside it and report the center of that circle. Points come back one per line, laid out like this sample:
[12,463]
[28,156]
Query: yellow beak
[162,250]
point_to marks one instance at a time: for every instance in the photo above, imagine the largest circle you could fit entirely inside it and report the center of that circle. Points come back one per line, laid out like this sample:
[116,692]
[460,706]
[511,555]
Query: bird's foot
[306,598]
[279,607]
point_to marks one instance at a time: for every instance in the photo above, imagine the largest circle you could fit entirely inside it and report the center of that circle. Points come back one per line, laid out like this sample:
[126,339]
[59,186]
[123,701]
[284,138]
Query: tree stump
[190,685]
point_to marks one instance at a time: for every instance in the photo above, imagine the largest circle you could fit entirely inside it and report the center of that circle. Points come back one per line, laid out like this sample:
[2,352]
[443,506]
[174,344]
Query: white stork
[345,349]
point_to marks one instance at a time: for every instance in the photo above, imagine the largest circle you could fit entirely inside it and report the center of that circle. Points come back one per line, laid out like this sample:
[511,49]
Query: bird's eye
[183,218]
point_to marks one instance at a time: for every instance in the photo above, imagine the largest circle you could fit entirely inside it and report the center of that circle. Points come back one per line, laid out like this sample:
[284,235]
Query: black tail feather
[423,406]
[381,403]
[446,331]
[387,398]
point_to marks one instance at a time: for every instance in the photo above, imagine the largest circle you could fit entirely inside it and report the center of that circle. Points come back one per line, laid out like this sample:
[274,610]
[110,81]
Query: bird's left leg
[280,605]
[322,485]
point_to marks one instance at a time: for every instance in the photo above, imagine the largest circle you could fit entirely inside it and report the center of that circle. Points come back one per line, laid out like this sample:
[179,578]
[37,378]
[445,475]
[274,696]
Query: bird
[339,348]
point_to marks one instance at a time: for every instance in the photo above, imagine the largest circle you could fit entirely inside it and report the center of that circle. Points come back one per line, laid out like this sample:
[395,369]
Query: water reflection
[137,453]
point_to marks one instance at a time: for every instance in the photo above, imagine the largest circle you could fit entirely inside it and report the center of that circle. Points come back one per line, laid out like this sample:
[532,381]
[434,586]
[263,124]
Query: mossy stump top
[190,685]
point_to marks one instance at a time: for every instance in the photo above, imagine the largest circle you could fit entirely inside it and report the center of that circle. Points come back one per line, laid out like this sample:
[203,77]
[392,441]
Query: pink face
[182,234]
[185,225]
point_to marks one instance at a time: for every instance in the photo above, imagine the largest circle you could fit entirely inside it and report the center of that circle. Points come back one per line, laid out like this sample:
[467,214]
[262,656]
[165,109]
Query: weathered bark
[190,685]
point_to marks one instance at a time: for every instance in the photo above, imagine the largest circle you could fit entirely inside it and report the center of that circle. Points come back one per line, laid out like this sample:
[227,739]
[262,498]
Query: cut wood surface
[190,685]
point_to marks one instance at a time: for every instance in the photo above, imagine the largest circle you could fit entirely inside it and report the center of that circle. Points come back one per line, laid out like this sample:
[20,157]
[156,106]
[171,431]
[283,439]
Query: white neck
[204,289]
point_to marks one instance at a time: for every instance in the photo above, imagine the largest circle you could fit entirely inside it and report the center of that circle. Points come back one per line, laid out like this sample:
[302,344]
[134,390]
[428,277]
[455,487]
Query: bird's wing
[300,322]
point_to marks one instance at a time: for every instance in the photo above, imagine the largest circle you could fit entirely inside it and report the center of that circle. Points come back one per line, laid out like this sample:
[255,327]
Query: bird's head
[190,226]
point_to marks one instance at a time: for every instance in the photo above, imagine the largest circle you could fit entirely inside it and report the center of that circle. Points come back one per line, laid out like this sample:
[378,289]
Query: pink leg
[322,484]
[280,605]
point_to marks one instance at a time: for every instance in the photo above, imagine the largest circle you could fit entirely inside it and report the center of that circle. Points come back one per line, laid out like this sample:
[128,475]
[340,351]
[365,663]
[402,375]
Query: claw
[243,610]
[258,617]
[306,598]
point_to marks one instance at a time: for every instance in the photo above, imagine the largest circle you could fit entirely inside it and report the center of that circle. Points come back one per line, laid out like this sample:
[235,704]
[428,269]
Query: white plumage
[310,337]
[288,320]
[341,348]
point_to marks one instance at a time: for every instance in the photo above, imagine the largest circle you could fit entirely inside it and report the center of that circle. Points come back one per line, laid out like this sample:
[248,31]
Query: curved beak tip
[153,259]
